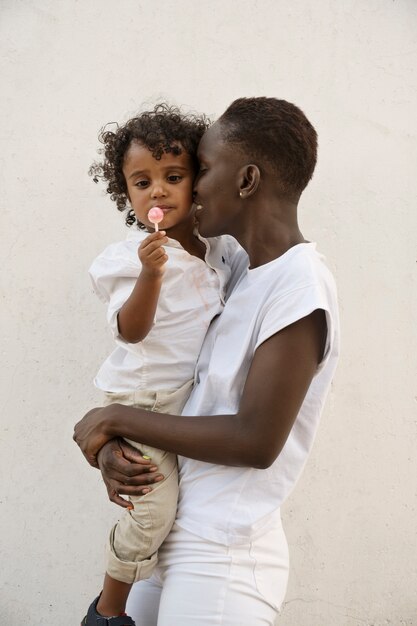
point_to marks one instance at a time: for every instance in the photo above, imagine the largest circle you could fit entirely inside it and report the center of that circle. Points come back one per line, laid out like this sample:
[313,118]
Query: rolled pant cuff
[129,571]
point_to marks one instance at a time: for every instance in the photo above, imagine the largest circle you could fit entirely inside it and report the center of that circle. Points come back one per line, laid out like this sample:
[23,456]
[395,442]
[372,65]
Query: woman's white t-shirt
[232,504]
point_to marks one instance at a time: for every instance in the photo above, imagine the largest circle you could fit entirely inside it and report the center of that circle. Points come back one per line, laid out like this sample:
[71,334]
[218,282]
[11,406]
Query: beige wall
[68,67]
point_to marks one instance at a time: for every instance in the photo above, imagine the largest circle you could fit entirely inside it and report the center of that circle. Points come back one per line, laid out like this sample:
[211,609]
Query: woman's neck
[262,251]
[271,229]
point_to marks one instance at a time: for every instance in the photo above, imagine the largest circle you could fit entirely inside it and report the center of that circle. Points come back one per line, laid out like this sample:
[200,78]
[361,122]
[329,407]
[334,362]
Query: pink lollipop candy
[155,216]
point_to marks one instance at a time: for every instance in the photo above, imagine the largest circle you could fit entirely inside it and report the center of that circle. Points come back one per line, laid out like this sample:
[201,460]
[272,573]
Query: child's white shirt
[192,294]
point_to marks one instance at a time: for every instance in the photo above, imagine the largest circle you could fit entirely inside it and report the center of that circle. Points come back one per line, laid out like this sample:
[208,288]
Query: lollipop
[155,216]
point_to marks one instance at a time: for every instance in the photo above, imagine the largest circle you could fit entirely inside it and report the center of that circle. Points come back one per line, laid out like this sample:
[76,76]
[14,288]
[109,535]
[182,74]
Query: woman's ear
[249,179]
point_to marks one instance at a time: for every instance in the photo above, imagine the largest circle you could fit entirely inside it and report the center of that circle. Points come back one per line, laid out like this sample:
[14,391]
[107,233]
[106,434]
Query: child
[162,290]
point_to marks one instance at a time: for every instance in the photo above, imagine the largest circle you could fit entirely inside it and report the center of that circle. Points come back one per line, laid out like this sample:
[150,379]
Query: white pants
[200,583]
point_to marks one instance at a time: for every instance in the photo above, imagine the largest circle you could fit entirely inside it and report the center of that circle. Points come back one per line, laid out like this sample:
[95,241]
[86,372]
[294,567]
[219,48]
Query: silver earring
[241,194]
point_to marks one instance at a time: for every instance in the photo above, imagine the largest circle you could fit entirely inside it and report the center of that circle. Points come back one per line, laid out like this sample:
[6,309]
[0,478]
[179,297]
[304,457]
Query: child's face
[166,183]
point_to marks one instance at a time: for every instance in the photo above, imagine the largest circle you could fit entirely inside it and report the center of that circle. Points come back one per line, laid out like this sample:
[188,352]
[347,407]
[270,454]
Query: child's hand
[152,254]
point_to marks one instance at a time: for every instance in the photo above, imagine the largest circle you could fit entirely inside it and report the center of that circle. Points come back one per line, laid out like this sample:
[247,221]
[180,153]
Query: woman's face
[217,185]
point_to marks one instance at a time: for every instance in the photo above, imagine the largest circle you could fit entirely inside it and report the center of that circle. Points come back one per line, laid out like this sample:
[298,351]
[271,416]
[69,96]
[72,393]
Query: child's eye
[142,184]
[174,178]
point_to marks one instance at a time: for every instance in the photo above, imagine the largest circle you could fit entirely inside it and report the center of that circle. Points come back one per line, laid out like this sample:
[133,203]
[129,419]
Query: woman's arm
[281,372]
[136,316]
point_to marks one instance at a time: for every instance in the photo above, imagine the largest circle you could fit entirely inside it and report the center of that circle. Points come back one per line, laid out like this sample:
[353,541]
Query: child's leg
[113,598]
[135,539]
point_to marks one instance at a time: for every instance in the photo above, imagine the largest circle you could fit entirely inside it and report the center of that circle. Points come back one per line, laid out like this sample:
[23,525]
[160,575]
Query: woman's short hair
[276,132]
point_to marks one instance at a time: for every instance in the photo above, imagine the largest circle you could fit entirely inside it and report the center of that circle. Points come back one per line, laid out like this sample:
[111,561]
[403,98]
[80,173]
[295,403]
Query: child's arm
[136,316]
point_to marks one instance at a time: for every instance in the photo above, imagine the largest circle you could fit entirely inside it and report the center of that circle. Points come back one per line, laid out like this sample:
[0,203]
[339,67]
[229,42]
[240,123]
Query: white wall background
[67,68]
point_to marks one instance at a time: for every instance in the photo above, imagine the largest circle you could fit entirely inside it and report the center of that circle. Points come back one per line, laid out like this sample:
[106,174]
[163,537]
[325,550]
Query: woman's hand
[92,432]
[125,471]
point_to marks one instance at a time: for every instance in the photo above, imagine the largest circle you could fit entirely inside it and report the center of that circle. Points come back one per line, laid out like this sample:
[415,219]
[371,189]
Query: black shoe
[95,619]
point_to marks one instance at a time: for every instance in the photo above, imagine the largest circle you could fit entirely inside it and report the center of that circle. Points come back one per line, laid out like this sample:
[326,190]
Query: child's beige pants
[135,539]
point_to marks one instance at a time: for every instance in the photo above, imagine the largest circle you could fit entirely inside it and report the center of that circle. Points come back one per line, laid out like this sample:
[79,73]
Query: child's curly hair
[165,129]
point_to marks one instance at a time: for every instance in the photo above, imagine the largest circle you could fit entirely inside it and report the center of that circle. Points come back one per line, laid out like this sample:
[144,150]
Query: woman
[261,381]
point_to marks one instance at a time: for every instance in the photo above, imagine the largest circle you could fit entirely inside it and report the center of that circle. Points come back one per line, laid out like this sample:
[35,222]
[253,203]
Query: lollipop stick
[156,227]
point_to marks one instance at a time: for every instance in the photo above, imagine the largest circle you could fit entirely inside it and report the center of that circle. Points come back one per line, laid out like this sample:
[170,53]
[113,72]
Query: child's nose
[158,190]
